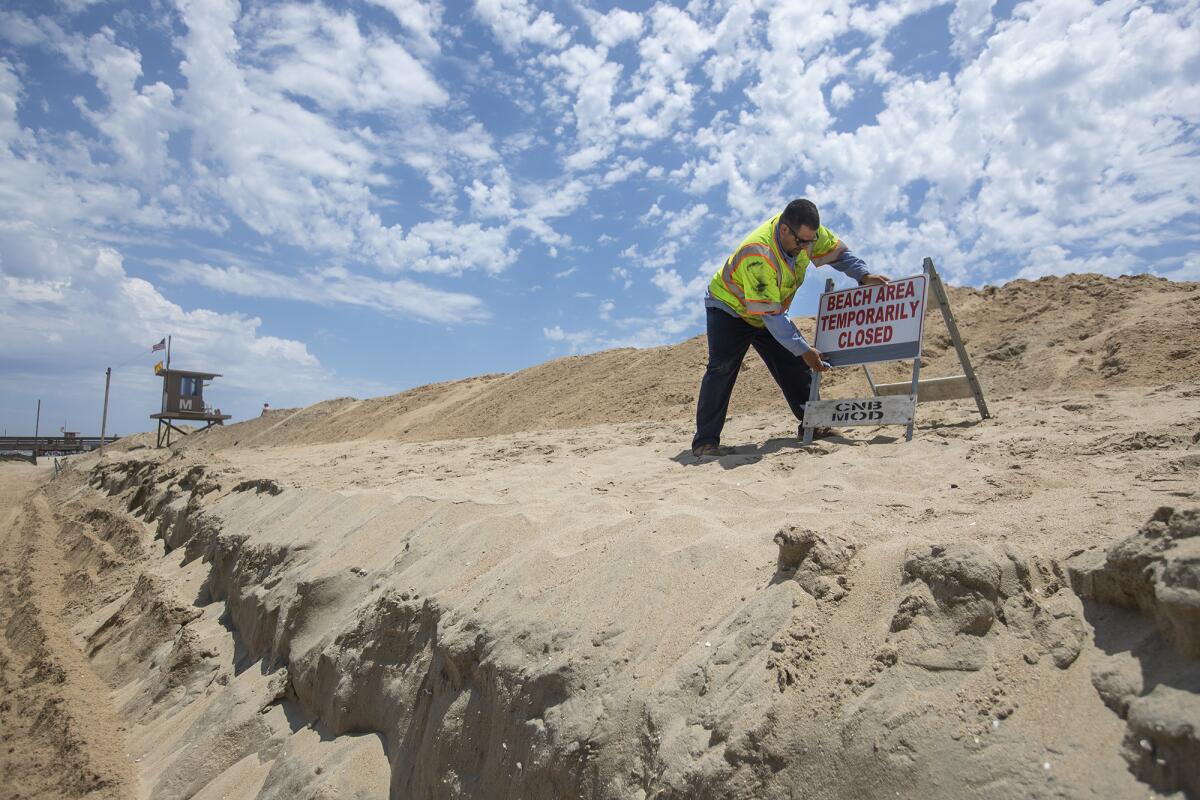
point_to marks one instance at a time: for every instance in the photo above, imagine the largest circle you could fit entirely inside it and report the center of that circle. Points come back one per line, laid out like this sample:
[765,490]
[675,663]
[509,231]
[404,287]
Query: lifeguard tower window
[189,387]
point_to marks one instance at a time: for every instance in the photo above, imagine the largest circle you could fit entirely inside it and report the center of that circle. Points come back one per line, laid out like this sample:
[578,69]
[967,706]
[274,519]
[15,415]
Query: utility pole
[36,422]
[104,416]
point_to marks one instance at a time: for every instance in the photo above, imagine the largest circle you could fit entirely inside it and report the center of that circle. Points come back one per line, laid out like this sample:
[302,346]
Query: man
[747,306]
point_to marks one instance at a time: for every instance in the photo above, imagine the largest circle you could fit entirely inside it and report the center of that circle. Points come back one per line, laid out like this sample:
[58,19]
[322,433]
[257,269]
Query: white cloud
[733,44]
[879,20]
[19,29]
[423,20]
[1040,135]
[137,122]
[631,332]
[662,95]
[685,221]
[623,170]
[515,23]
[446,246]
[1188,269]
[970,23]
[550,202]
[291,172]
[576,341]
[495,200]
[10,94]
[76,6]
[1055,260]
[54,182]
[285,170]
[841,95]
[615,27]
[312,51]
[586,73]
[679,293]
[337,285]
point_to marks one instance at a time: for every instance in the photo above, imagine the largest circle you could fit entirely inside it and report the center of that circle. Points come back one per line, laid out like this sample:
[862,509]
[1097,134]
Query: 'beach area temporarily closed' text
[886,315]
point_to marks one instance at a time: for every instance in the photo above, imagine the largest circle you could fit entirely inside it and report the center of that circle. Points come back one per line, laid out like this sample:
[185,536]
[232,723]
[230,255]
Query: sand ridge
[1073,333]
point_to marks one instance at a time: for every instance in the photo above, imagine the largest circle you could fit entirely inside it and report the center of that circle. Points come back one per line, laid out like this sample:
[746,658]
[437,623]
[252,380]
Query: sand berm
[525,586]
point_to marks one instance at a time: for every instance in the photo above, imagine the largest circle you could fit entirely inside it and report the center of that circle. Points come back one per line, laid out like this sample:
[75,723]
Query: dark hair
[801,212]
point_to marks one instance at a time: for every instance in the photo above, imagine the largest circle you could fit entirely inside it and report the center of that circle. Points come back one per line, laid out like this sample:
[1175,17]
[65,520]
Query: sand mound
[1073,333]
[141,441]
[1155,572]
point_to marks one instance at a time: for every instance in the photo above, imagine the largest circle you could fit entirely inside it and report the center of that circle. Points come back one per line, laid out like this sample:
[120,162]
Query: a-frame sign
[869,324]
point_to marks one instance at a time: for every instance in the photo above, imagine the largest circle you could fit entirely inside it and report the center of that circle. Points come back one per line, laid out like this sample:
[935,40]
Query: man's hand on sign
[815,360]
[873,280]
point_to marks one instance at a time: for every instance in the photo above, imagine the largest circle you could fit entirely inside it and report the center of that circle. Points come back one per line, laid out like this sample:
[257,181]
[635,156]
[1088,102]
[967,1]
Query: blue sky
[320,199]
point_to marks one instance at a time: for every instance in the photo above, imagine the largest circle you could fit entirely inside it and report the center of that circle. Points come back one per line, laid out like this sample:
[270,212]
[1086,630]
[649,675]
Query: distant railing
[53,444]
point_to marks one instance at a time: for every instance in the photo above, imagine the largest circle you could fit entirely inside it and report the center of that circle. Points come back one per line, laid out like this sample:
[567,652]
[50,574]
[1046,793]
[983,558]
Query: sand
[524,586]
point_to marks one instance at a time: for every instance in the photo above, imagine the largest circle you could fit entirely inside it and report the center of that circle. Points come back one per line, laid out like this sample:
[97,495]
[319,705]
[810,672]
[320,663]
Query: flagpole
[163,409]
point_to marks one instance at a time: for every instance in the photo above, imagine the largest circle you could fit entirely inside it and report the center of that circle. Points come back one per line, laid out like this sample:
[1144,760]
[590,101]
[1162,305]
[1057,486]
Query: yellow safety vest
[757,280]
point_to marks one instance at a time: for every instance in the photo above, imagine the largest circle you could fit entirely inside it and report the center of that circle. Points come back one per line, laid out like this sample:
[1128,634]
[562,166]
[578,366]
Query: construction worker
[747,306]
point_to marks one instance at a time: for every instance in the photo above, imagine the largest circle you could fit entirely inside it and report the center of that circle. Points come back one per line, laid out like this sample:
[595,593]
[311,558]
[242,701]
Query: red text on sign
[865,336]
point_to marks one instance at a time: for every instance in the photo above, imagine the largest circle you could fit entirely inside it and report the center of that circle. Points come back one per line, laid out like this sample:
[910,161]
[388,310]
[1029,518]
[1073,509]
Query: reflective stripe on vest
[828,258]
[734,261]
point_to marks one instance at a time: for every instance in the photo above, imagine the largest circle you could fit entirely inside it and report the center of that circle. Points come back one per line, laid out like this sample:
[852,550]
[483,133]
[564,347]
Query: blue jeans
[729,338]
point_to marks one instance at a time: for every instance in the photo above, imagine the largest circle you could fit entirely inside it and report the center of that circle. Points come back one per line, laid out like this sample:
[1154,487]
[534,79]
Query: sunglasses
[796,236]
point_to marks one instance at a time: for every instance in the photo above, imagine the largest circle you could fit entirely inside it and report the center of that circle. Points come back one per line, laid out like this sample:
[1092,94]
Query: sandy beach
[525,585]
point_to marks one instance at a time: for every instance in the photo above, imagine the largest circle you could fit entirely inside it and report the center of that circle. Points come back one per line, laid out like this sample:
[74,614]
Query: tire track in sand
[59,734]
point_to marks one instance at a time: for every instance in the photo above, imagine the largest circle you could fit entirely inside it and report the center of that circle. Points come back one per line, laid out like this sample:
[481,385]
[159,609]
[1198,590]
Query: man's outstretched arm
[849,264]
[788,335]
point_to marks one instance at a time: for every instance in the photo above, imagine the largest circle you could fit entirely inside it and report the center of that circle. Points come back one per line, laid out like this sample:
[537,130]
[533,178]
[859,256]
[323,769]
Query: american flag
[162,345]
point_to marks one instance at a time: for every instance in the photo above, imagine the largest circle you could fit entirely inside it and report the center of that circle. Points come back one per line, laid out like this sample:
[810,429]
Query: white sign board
[872,323]
[894,410]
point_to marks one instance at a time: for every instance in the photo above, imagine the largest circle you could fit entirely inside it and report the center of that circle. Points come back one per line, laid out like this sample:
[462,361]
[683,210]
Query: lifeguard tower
[183,401]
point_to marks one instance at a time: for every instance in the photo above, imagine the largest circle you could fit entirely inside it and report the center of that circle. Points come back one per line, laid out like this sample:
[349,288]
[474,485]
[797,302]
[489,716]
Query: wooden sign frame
[949,388]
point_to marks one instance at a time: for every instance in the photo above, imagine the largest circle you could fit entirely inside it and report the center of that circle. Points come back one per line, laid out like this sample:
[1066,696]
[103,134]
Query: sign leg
[814,388]
[916,380]
[814,393]
[943,301]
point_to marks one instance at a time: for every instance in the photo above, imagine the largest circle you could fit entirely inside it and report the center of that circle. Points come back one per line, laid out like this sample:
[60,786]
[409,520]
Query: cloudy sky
[320,199]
